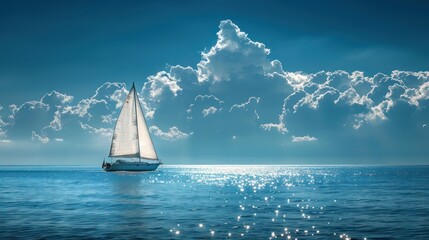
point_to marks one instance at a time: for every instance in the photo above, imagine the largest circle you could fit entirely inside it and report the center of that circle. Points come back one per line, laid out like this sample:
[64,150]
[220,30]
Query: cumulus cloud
[107,93]
[367,98]
[95,114]
[228,76]
[303,139]
[238,75]
[237,68]
[172,134]
[236,89]
[56,114]
[45,115]
[48,100]
[162,81]
[232,46]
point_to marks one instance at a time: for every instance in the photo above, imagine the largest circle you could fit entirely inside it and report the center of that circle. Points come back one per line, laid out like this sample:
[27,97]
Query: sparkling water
[219,202]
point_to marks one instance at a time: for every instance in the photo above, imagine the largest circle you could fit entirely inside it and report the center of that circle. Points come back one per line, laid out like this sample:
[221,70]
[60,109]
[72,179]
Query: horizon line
[226,165]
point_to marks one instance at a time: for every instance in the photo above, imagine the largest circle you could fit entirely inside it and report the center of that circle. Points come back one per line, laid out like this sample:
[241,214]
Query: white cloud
[108,118]
[106,93]
[55,124]
[350,96]
[208,97]
[95,114]
[257,115]
[54,109]
[59,139]
[375,96]
[3,124]
[30,105]
[378,112]
[164,89]
[303,139]
[173,133]
[118,96]
[235,74]
[245,104]
[205,104]
[162,80]
[107,132]
[227,77]
[81,109]
[296,79]
[224,60]
[208,111]
[35,136]
[45,114]
[415,95]
[279,126]
[55,96]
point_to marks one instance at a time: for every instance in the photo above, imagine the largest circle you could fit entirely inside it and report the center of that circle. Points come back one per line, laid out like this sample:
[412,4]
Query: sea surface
[215,202]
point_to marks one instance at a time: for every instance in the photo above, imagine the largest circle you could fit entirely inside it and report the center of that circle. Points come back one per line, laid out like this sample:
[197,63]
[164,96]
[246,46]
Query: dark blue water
[202,202]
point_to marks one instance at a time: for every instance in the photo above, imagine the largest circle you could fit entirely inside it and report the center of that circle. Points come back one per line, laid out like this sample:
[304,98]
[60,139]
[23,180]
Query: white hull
[131,166]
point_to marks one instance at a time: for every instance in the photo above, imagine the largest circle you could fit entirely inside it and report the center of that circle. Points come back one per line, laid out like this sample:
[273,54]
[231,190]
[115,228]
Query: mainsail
[131,136]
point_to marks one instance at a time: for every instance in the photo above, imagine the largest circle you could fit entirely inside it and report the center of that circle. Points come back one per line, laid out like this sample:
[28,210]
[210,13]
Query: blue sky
[227,82]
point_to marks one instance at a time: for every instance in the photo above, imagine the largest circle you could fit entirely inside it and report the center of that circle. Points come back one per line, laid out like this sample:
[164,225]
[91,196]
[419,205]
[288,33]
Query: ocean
[215,202]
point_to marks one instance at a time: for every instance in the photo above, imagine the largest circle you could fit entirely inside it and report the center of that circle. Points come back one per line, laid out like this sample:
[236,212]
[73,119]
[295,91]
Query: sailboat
[132,146]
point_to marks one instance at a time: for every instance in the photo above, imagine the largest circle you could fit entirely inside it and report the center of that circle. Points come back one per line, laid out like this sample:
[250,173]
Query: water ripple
[200,202]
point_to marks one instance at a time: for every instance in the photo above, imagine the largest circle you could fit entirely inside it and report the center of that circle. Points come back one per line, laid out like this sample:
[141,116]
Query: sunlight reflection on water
[182,202]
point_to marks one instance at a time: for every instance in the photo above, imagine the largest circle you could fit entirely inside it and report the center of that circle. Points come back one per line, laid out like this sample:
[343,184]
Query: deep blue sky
[74,47]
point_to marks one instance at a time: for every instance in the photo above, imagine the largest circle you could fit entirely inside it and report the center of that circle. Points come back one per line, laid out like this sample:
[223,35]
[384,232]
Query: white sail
[131,136]
[145,142]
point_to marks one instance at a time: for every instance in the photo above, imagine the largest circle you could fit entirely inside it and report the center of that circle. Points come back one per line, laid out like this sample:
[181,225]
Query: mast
[137,121]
